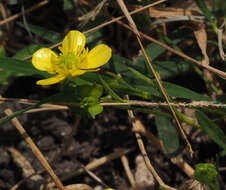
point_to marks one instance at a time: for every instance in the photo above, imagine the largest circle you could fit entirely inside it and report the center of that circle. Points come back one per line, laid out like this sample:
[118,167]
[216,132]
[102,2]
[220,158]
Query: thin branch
[10,19]
[179,161]
[128,171]
[96,163]
[143,151]
[212,69]
[60,106]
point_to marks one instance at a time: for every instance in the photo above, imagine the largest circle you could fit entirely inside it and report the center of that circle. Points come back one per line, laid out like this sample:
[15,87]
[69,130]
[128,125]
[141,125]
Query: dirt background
[110,132]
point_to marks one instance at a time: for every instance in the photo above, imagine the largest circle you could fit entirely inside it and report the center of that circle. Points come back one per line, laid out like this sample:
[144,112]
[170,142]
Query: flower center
[68,61]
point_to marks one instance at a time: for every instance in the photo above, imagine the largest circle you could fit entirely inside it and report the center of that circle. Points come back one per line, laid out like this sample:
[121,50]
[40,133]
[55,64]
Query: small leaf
[94,90]
[207,174]
[209,127]
[95,110]
[168,134]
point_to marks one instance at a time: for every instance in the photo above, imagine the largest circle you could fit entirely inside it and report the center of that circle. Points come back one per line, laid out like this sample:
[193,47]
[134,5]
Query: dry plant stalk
[135,30]
[96,163]
[179,161]
[49,106]
[143,151]
[24,164]
[128,171]
[35,150]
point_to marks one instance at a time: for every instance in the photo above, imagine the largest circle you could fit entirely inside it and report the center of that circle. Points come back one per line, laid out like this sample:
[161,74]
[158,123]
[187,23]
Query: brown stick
[35,150]
[10,19]
[127,169]
[144,153]
[216,71]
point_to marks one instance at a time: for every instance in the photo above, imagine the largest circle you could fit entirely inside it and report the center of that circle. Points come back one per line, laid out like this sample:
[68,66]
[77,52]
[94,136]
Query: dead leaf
[201,37]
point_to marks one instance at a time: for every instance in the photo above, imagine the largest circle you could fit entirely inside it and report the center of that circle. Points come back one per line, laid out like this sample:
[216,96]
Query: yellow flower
[74,59]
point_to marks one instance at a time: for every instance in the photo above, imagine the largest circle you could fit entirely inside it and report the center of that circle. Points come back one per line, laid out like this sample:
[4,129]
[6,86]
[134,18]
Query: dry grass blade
[36,151]
[125,11]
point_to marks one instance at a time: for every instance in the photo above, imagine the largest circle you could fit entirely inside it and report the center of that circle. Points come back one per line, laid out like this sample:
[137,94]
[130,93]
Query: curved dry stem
[135,30]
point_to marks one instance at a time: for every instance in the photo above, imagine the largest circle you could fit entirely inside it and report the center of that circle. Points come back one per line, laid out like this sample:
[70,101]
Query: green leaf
[209,127]
[49,35]
[172,90]
[141,76]
[181,92]
[25,68]
[27,51]
[4,75]
[89,90]
[207,174]
[168,134]
[153,51]
[95,110]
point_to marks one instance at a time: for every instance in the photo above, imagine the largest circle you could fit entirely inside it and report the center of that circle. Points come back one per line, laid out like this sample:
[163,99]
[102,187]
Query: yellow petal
[98,56]
[52,80]
[77,72]
[44,60]
[74,42]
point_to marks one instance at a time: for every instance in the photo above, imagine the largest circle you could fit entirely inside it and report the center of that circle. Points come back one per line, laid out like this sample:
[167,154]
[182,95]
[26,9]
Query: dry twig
[143,151]
[127,169]
[96,163]
[10,19]
[35,150]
